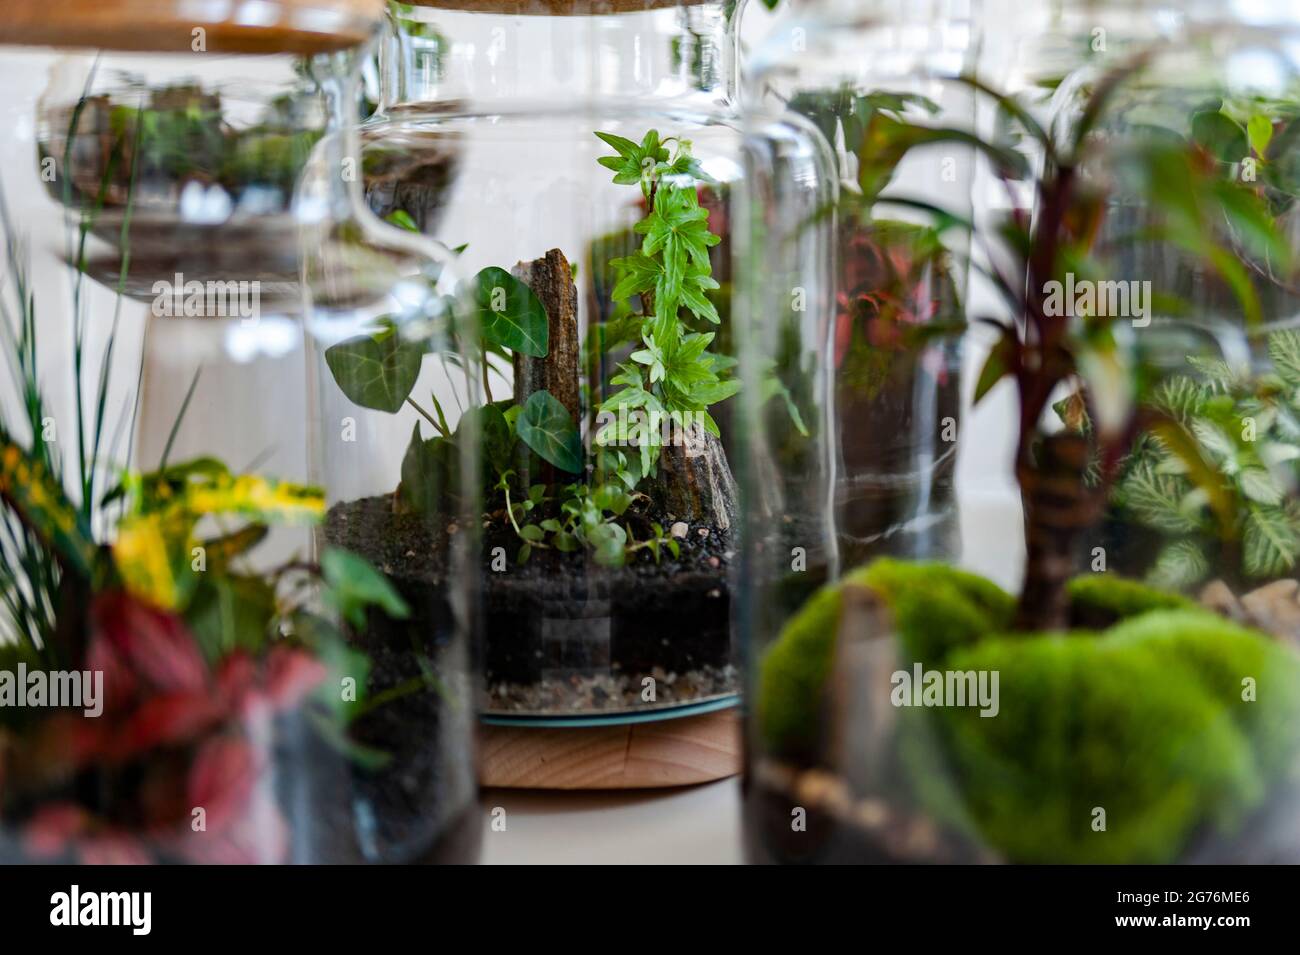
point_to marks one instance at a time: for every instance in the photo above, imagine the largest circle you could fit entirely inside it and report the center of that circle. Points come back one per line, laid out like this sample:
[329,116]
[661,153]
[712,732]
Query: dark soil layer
[562,633]
[841,832]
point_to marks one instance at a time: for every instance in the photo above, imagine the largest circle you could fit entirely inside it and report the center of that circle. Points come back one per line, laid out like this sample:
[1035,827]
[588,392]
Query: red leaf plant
[886,284]
[179,757]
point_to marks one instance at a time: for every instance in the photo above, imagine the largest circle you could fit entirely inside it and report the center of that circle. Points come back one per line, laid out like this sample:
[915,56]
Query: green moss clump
[1174,721]
[935,607]
[792,674]
[1141,721]
[1099,600]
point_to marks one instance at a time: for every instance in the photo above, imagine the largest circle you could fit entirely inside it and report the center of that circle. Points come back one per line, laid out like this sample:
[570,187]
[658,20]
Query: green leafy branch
[672,376]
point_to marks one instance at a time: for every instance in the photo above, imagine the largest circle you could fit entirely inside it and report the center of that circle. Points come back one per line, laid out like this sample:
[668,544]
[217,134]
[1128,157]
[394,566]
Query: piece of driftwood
[695,483]
[551,280]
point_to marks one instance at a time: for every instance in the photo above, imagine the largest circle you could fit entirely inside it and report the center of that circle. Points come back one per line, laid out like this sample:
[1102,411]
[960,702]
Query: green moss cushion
[1145,722]
[1099,600]
[937,607]
[1173,722]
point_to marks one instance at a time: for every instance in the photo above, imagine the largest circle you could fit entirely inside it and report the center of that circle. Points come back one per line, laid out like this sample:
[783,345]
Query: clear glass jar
[1083,679]
[900,287]
[176,685]
[537,138]
[181,675]
[181,145]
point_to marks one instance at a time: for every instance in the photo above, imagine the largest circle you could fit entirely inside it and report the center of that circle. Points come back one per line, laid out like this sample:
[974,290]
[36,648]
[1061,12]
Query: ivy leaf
[376,371]
[427,472]
[637,273]
[510,314]
[633,160]
[546,427]
[495,435]
[353,585]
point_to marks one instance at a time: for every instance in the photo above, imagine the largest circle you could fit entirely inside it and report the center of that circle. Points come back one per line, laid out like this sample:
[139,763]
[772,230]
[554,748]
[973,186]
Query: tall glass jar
[900,286]
[585,159]
[176,678]
[182,144]
[1120,680]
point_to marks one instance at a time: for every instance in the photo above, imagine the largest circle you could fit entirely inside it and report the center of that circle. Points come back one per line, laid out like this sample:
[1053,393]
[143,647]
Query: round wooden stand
[672,752]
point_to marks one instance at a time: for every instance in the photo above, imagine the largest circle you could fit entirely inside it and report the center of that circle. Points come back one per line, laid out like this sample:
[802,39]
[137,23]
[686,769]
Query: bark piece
[695,483]
[551,280]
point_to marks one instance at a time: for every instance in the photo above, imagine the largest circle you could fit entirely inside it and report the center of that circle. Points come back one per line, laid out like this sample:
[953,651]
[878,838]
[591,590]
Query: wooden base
[675,752]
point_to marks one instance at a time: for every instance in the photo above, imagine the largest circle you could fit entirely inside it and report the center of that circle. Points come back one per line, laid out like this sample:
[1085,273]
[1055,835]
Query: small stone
[1217,596]
[819,789]
[1273,608]
[871,813]
[679,530]
[703,532]
[452,529]
[715,562]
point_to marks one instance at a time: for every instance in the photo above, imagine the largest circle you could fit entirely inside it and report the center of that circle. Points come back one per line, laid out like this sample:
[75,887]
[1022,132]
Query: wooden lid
[555,8]
[228,26]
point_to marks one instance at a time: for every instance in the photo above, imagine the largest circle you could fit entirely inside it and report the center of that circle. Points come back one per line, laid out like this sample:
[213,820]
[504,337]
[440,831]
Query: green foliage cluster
[672,372]
[139,533]
[1215,472]
[669,374]
[1147,719]
[181,133]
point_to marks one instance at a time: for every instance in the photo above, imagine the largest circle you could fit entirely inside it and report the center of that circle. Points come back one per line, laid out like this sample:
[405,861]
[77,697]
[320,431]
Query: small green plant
[672,376]
[1213,472]
[145,577]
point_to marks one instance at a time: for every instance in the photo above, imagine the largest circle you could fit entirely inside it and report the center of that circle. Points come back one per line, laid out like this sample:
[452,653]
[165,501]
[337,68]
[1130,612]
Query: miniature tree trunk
[694,483]
[1059,507]
[551,280]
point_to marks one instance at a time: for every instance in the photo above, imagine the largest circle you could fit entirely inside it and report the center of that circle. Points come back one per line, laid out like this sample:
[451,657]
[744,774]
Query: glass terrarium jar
[179,674]
[900,285]
[584,159]
[181,145]
[1120,682]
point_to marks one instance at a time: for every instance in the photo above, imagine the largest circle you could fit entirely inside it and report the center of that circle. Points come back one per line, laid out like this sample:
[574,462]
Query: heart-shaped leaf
[509,314]
[546,427]
[376,371]
[428,472]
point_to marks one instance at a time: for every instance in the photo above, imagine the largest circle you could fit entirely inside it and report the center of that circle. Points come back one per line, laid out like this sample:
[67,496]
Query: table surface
[692,825]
